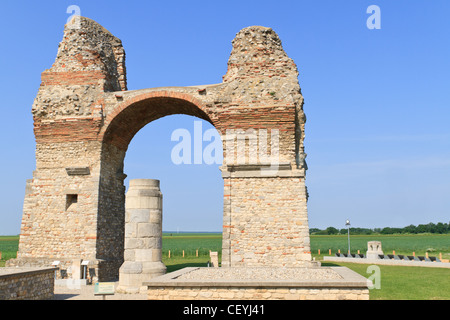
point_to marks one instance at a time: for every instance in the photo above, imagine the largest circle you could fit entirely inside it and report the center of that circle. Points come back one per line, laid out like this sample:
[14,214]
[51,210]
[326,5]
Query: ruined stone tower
[85,118]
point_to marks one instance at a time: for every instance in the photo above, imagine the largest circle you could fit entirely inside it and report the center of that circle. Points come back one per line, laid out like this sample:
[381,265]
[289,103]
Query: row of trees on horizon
[438,228]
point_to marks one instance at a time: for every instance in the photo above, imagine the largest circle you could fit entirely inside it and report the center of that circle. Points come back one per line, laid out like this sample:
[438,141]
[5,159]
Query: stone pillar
[265,218]
[374,250]
[214,259]
[76,269]
[143,235]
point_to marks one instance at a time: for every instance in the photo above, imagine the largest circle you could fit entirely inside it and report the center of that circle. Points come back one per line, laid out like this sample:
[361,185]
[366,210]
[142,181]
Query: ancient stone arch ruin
[85,118]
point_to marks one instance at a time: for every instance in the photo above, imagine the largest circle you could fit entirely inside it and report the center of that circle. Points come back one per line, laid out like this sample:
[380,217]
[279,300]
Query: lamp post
[347,223]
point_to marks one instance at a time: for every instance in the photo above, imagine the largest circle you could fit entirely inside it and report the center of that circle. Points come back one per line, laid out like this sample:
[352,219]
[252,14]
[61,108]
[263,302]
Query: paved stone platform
[323,283]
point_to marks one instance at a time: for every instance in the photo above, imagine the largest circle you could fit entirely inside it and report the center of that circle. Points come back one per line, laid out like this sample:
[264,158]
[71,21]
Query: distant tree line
[439,228]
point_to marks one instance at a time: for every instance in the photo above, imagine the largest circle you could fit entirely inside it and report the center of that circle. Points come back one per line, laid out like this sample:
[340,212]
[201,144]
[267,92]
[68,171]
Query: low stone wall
[65,268]
[27,283]
[345,285]
[248,293]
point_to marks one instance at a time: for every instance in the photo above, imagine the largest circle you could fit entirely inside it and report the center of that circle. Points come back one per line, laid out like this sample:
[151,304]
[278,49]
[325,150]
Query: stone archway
[84,119]
[125,120]
[129,116]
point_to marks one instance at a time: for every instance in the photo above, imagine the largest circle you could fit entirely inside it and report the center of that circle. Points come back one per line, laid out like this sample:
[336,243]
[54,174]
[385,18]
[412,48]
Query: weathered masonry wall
[267,222]
[85,118]
[268,293]
[26,284]
[62,202]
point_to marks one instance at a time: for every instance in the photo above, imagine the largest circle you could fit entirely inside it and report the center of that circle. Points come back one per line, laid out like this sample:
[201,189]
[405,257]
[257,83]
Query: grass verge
[405,283]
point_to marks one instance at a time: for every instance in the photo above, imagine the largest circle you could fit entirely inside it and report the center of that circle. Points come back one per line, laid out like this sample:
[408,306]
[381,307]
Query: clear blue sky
[377,101]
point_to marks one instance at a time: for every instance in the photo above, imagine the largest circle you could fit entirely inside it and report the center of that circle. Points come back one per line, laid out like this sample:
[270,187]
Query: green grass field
[402,244]
[190,243]
[204,242]
[397,282]
[8,247]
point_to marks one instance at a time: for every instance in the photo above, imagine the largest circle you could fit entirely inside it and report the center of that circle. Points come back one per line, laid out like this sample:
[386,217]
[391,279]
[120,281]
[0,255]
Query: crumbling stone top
[257,51]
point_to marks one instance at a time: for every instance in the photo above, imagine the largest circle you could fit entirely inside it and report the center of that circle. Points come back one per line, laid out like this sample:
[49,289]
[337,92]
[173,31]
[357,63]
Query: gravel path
[270,274]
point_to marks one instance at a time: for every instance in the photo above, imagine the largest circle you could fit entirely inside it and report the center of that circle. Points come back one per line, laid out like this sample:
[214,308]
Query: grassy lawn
[177,263]
[190,243]
[8,247]
[405,283]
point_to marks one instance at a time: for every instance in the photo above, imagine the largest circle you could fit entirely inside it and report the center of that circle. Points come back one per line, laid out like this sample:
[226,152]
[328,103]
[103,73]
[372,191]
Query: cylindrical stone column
[143,235]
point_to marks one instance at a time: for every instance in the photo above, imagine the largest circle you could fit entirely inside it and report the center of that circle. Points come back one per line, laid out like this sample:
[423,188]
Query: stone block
[144,254]
[155,216]
[155,268]
[129,255]
[130,230]
[134,243]
[214,259]
[137,215]
[76,269]
[143,203]
[146,230]
[131,267]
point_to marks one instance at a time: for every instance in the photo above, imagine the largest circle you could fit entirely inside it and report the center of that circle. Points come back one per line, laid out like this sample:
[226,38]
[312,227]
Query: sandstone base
[134,274]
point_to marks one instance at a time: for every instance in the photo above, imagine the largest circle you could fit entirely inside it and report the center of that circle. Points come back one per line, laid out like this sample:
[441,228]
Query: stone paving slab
[340,277]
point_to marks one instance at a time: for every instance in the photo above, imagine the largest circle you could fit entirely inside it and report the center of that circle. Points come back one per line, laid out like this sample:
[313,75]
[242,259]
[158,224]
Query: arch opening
[121,132]
[190,190]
